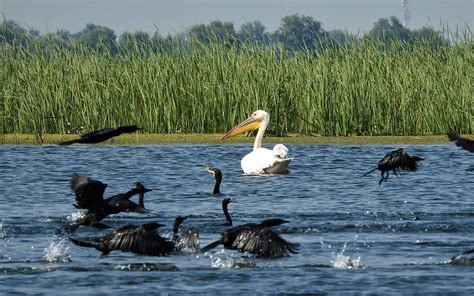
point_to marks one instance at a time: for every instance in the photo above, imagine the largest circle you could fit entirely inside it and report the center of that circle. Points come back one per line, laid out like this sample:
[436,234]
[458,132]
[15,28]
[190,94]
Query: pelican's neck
[259,138]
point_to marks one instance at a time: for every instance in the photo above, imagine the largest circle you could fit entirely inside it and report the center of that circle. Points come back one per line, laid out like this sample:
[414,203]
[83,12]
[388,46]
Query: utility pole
[406,13]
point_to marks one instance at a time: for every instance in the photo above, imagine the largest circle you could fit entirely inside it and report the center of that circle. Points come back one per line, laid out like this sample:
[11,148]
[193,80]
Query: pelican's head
[258,119]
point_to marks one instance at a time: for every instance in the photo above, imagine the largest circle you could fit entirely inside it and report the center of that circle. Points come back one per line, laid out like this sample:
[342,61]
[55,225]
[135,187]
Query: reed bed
[360,88]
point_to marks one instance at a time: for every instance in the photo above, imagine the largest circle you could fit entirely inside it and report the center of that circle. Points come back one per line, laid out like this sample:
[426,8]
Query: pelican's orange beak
[249,124]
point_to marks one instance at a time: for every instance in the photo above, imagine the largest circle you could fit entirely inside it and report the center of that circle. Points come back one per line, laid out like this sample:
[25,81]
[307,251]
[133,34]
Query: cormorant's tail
[69,142]
[210,246]
[369,172]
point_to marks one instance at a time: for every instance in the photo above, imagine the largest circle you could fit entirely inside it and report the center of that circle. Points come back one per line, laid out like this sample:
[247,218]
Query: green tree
[253,31]
[97,37]
[430,36]
[387,31]
[300,32]
[216,30]
[138,41]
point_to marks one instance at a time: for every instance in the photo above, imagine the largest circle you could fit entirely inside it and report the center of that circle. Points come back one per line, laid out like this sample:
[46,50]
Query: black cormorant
[89,195]
[189,239]
[102,135]
[464,143]
[218,175]
[396,161]
[257,239]
[225,203]
[141,240]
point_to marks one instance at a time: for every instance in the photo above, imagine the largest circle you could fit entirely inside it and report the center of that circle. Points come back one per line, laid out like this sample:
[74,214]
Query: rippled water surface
[355,236]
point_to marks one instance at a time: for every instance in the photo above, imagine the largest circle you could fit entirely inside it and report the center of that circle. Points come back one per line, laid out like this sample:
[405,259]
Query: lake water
[355,236]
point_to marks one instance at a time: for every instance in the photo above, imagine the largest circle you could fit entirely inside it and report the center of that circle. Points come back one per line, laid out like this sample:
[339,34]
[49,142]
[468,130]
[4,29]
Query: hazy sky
[173,16]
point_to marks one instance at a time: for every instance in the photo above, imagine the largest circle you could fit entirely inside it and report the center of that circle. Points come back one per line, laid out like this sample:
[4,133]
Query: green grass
[362,88]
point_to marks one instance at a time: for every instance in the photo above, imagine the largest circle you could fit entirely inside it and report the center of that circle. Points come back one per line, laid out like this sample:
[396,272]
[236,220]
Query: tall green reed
[361,87]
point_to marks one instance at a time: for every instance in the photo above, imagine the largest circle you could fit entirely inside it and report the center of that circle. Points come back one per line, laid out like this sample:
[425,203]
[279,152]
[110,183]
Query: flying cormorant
[396,161]
[89,195]
[102,135]
[464,143]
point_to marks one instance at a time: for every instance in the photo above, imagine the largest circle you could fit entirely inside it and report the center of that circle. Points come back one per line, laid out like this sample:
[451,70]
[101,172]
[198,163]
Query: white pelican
[261,160]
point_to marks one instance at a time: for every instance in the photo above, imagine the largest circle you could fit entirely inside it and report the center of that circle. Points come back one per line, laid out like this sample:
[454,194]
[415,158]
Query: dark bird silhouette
[187,240]
[102,135]
[464,143]
[396,161]
[89,195]
[257,239]
[218,176]
[225,202]
[141,240]
[465,258]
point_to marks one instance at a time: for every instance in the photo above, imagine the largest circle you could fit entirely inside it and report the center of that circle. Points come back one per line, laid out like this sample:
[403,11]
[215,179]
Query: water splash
[3,232]
[226,260]
[75,216]
[56,252]
[345,262]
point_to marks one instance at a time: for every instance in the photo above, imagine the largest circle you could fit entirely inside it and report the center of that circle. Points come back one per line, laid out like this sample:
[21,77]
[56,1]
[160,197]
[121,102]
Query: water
[354,236]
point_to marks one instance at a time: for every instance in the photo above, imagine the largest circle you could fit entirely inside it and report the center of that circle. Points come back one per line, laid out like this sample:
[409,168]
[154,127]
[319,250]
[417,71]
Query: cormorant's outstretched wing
[399,160]
[408,162]
[142,240]
[264,243]
[464,143]
[89,192]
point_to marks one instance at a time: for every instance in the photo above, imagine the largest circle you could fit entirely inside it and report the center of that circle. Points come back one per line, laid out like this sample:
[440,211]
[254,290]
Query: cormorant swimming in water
[89,195]
[189,239]
[225,202]
[218,175]
[102,135]
[464,143]
[396,161]
[141,240]
[257,239]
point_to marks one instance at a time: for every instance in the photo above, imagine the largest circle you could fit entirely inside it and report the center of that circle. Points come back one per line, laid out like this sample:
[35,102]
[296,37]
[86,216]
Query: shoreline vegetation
[363,86]
[165,139]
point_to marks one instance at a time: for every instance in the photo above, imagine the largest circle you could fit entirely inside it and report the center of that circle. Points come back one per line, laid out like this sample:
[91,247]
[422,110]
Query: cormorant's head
[141,188]
[226,201]
[128,128]
[216,172]
[178,221]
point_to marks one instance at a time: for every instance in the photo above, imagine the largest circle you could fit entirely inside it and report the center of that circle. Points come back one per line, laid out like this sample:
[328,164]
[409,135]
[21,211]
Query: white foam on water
[56,251]
[345,262]
[227,260]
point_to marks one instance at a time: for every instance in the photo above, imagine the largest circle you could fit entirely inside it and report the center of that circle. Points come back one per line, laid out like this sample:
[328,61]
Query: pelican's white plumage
[261,160]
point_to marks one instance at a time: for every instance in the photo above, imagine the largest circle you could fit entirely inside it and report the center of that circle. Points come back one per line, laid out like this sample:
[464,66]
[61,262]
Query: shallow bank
[150,139]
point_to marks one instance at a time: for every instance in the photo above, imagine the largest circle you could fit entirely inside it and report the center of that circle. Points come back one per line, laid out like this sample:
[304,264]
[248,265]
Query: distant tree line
[296,32]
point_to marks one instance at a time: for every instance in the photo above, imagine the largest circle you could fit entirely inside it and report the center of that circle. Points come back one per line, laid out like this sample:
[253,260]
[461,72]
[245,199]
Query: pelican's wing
[263,160]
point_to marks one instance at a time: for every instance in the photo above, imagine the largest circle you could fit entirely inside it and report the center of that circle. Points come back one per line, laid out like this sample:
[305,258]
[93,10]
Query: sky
[174,16]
